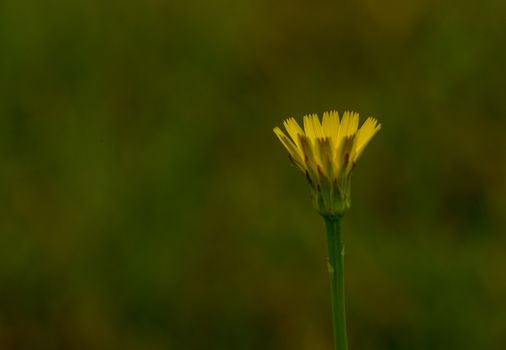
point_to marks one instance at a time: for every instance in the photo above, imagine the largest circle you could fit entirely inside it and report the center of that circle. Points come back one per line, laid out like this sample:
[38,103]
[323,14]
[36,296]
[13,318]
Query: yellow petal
[309,158]
[308,127]
[343,154]
[317,127]
[326,155]
[294,130]
[330,124]
[349,124]
[291,148]
[365,134]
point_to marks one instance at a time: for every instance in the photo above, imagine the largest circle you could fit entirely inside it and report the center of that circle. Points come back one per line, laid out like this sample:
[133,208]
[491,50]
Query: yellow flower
[326,153]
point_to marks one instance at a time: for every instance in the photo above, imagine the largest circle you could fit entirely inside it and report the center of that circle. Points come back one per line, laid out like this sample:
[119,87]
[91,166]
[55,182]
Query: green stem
[336,274]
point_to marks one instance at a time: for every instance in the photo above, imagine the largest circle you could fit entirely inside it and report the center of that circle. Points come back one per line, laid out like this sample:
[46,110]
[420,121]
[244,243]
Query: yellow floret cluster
[326,152]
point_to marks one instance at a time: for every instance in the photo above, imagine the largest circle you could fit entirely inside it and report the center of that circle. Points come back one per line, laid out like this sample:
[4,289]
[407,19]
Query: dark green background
[145,202]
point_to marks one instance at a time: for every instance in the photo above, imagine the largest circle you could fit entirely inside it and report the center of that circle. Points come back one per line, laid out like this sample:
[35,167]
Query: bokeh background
[146,204]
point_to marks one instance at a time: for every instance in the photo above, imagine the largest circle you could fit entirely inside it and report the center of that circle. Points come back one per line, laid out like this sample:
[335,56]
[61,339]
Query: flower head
[326,153]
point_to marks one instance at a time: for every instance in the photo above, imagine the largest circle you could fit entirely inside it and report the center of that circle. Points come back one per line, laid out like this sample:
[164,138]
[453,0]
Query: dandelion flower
[326,153]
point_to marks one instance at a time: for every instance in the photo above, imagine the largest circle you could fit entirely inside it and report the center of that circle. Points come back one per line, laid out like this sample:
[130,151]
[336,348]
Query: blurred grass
[145,203]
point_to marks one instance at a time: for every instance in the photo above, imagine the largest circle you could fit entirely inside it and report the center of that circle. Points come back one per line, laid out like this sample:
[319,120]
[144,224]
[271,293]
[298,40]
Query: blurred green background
[145,202]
